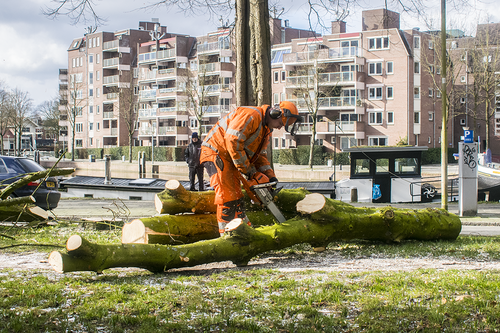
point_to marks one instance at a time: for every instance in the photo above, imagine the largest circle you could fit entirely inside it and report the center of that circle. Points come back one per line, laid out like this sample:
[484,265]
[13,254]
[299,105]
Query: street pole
[444,132]
[335,160]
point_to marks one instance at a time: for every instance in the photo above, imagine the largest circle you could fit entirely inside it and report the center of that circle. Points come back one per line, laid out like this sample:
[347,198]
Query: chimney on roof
[338,27]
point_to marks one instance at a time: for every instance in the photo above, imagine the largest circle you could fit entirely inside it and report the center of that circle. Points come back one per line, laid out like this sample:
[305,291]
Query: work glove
[258,178]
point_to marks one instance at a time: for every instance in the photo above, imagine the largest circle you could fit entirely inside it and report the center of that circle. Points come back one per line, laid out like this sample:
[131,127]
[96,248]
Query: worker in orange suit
[236,146]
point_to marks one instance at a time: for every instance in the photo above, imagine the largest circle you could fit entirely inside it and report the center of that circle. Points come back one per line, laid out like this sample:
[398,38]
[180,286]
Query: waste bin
[91,158]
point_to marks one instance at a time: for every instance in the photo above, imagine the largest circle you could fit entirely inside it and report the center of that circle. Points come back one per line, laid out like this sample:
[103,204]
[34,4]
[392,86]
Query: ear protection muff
[275,112]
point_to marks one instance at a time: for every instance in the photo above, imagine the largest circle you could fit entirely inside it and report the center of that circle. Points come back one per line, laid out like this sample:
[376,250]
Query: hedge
[433,156]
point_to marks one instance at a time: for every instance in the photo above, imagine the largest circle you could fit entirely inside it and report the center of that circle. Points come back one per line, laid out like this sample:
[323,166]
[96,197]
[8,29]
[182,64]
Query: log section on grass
[323,221]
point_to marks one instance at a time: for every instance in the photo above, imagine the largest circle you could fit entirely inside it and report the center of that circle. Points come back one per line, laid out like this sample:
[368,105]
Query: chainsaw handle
[249,190]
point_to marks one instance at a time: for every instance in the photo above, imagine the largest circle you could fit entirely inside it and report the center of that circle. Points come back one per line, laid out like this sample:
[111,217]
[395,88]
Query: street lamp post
[335,159]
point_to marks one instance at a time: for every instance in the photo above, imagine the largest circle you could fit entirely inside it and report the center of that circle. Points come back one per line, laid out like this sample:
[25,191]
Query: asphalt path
[485,223]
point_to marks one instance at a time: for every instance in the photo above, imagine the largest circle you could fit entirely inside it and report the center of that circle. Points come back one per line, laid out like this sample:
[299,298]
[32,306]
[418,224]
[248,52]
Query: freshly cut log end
[233,225]
[312,203]
[56,261]
[172,184]
[319,249]
[73,243]
[158,204]
[37,211]
[134,232]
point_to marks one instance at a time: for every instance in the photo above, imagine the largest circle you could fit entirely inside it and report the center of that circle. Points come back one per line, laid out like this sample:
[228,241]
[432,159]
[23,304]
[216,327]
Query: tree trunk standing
[130,140]
[242,43]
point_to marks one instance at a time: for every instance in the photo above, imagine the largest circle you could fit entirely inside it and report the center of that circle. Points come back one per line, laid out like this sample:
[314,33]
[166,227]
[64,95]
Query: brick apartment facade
[383,82]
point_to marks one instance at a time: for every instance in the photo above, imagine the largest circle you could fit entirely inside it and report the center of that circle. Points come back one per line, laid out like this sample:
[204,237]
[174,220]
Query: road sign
[468,136]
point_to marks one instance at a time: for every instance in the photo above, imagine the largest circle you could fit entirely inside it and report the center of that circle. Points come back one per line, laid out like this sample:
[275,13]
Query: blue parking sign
[468,136]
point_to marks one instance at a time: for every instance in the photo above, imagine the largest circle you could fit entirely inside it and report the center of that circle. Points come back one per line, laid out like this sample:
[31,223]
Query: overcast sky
[33,47]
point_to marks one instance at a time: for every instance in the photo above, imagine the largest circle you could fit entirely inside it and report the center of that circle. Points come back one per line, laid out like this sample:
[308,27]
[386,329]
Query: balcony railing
[147,94]
[215,108]
[162,130]
[214,88]
[111,79]
[323,54]
[114,44]
[168,109]
[110,62]
[147,113]
[107,115]
[152,56]
[323,78]
[212,47]
[112,95]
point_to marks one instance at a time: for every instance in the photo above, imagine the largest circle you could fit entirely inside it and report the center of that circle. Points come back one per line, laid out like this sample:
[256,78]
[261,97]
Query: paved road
[487,221]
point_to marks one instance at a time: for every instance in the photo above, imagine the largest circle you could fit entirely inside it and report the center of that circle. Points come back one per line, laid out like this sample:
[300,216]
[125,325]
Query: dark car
[13,168]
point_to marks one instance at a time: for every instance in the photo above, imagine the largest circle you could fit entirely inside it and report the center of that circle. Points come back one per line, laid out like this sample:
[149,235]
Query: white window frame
[416,117]
[389,92]
[462,78]
[375,140]
[374,43]
[276,77]
[431,92]
[375,90]
[375,68]
[375,117]
[462,122]
[416,67]
[431,45]
[389,69]
[416,92]
[390,117]
[79,127]
[416,42]
[431,116]
[283,76]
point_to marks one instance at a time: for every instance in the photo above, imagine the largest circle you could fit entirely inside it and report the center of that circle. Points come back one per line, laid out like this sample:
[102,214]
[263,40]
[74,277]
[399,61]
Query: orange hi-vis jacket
[242,137]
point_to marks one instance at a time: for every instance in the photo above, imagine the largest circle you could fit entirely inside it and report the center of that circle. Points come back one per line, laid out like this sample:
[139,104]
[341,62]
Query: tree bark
[323,220]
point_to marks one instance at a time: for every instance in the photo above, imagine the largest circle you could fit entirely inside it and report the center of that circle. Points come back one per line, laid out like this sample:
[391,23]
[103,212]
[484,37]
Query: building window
[375,68]
[276,77]
[98,41]
[438,70]
[462,78]
[283,143]
[462,100]
[91,109]
[98,109]
[79,127]
[438,93]
[431,69]
[375,93]
[276,98]
[429,140]
[417,67]
[98,125]
[416,42]
[431,116]
[462,57]
[431,45]
[390,117]
[91,92]
[416,117]
[79,142]
[462,122]
[283,76]
[377,141]
[378,43]
[375,118]
[98,58]
[91,78]
[91,58]
[431,92]
[390,93]
[416,92]
[91,126]
[390,67]
[454,44]
[91,141]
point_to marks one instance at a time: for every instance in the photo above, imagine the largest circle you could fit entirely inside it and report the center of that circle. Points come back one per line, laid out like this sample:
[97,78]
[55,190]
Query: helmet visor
[293,122]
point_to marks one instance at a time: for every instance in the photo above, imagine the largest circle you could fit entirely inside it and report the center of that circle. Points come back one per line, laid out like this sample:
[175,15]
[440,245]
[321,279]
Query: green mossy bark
[239,246]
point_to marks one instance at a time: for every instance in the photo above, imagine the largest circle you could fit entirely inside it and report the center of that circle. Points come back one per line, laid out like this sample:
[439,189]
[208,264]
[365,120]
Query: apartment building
[370,86]
[475,91]
[173,78]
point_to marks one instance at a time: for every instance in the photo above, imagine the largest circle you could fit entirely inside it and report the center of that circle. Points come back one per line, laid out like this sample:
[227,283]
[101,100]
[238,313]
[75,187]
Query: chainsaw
[262,193]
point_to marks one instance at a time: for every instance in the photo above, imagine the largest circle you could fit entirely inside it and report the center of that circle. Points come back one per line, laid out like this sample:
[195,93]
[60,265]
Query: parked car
[13,168]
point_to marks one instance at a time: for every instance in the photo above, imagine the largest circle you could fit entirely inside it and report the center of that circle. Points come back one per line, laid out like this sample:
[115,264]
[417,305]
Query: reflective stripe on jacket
[242,137]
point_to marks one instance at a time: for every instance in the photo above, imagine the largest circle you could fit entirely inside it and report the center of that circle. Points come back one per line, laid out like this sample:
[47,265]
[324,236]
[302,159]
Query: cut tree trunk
[323,221]
[175,199]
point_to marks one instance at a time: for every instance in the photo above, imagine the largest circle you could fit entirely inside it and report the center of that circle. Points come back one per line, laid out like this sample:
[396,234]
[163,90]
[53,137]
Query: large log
[241,243]
[175,199]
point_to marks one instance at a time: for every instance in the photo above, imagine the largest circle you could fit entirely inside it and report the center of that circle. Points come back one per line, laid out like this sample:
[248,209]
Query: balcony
[214,110]
[157,56]
[111,80]
[111,96]
[215,47]
[322,55]
[147,113]
[149,94]
[116,46]
[323,79]
[114,63]
[215,89]
[108,115]
[329,103]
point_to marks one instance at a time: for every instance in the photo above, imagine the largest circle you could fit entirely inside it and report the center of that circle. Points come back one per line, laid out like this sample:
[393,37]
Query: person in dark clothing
[192,157]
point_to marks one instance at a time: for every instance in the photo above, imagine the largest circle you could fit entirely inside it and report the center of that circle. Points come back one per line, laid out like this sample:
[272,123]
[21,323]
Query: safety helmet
[290,116]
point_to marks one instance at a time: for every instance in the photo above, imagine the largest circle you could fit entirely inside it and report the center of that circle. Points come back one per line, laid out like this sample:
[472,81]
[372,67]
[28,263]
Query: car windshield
[30,166]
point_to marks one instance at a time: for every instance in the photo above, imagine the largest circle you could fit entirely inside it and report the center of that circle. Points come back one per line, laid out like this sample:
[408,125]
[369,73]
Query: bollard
[354,194]
[107,169]
[143,161]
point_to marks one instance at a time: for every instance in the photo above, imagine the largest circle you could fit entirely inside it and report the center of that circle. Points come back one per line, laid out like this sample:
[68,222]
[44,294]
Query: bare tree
[20,108]
[49,111]
[74,106]
[316,85]
[128,104]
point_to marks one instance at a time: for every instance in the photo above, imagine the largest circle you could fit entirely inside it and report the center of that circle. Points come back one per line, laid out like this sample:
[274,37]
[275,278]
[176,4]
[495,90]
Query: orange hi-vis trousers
[224,178]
